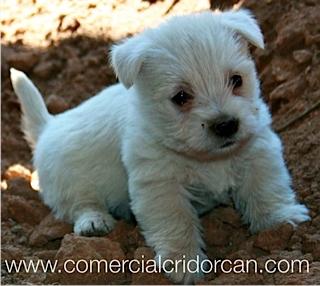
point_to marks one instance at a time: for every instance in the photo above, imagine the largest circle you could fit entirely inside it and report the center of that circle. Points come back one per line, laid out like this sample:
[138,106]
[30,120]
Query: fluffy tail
[35,114]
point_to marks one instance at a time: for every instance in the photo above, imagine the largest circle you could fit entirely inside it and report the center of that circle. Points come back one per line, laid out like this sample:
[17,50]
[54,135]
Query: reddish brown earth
[62,46]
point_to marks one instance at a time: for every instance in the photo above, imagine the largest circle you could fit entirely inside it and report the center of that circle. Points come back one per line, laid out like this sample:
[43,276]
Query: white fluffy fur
[135,142]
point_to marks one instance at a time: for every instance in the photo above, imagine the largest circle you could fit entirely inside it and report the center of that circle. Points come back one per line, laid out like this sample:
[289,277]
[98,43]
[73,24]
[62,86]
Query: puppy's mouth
[227,150]
[227,144]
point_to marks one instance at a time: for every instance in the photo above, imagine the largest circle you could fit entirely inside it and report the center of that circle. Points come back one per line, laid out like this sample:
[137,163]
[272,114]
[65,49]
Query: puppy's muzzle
[225,126]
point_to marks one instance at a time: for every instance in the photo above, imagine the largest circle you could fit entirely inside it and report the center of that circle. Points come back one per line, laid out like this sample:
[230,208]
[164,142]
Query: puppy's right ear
[127,59]
[243,22]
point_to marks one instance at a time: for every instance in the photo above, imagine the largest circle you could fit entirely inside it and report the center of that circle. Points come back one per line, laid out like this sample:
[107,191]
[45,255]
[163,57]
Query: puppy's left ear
[244,23]
[127,59]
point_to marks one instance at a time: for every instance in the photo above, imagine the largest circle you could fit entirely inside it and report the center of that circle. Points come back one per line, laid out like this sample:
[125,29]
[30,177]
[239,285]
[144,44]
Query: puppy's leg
[169,223]
[265,197]
[77,203]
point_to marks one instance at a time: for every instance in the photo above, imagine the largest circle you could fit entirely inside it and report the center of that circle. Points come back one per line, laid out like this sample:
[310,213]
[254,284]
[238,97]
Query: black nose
[225,127]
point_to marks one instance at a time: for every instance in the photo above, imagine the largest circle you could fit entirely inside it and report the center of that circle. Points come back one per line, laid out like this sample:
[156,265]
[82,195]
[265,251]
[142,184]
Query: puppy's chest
[215,178]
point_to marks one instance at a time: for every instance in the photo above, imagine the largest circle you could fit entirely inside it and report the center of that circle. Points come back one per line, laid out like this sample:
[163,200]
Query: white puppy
[186,128]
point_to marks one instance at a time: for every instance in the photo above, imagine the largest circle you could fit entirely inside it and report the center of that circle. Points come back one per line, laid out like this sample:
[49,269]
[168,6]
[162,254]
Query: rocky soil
[62,46]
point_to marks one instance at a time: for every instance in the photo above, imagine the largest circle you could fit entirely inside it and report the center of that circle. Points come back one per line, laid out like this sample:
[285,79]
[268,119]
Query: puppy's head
[195,82]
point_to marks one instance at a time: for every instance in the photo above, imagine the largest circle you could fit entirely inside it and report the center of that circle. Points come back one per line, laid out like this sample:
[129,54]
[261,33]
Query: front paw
[184,268]
[293,214]
[94,223]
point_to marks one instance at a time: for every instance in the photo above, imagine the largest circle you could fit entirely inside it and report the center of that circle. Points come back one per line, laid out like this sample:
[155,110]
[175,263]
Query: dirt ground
[63,45]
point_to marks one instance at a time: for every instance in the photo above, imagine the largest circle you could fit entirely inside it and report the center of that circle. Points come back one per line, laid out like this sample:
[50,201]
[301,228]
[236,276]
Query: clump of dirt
[63,46]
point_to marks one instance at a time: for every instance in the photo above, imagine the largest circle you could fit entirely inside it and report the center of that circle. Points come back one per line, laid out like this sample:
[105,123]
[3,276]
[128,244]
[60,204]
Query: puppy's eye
[181,98]
[236,81]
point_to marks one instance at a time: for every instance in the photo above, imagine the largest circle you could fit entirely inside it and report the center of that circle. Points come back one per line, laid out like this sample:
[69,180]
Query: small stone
[302,56]
[128,235]
[24,211]
[313,79]
[92,5]
[216,233]
[49,229]
[24,61]
[145,252]
[289,256]
[311,244]
[91,61]
[21,187]
[312,39]
[45,68]
[35,181]
[274,239]
[248,245]
[68,23]
[240,254]
[101,250]
[46,254]
[56,104]
[295,242]
[282,69]
[4,185]
[9,252]
[316,221]
[17,171]
[22,240]
[228,215]
[17,229]
[289,37]
[288,90]
[74,66]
